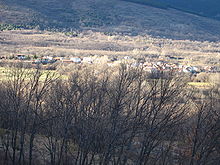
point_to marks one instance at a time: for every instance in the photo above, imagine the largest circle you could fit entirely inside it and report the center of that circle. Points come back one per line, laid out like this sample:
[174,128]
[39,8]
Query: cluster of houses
[76,60]
[167,67]
[156,66]
[153,67]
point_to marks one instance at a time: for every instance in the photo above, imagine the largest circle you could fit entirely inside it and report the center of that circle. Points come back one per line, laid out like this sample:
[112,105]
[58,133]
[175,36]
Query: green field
[6,73]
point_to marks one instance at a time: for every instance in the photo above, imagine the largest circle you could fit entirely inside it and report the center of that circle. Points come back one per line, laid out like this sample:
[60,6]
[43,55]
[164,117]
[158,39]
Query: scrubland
[44,43]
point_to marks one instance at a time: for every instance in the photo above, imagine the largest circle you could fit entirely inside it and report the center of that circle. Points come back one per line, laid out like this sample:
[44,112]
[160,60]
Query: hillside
[109,16]
[208,8]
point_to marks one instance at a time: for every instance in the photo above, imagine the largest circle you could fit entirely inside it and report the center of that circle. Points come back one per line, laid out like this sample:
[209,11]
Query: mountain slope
[208,8]
[109,16]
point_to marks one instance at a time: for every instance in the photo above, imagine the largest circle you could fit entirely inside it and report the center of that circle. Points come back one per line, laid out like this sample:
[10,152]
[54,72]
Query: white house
[87,60]
[76,59]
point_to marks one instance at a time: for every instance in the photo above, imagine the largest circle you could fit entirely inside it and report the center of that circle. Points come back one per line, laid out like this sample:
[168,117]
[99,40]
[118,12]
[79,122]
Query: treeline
[15,27]
[34,25]
[106,117]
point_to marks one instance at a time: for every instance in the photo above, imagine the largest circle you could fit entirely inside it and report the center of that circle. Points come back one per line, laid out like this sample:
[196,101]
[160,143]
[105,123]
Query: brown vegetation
[39,43]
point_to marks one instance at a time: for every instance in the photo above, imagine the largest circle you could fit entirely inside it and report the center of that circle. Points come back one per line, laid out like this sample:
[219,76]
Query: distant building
[76,59]
[48,58]
[44,61]
[87,60]
[21,57]
[190,69]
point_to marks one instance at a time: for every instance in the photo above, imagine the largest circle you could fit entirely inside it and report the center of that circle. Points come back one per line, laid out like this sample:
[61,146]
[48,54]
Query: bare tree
[24,90]
[204,131]
[115,117]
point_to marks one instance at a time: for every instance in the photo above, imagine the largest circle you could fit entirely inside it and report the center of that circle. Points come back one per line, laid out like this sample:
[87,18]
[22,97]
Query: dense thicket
[105,117]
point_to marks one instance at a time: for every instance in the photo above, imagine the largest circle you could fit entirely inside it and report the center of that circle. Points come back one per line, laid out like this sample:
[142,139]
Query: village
[154,65]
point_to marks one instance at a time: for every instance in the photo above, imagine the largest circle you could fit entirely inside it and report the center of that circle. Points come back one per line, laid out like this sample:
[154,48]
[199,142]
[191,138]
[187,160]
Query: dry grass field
[88,43]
